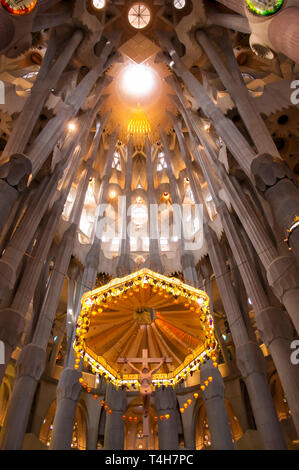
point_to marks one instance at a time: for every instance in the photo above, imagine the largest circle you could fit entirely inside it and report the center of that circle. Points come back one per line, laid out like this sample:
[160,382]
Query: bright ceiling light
[179,4]
[138,80]
[99,4]
[71,127]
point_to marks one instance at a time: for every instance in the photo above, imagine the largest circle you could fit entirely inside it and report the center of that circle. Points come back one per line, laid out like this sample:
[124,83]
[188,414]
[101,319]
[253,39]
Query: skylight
[139,16]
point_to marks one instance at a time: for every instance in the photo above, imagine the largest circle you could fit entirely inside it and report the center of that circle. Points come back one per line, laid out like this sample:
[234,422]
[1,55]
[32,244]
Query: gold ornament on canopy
[145,310]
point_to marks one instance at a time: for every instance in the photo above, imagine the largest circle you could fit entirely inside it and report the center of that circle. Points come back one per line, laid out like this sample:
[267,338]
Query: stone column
[46,79]
[281,180]
[279,190]
[14,175]
[166,403]
[186,256]
[235,5]
[17,311]
[106,177]
[250,360]
[282,272]
[7,29]
[229,364]
[11,329]
[51,20]
[232,137]
[94,415]
[131,436]
[188,420]
[187,260]
[283,31]
[39,344]
[277,184]
[115,426]
[67,393]
[63,440]
[226,442]
[60,331]
[234,83]
[14,251]
[226,20]
[123,264]
[213,189]
[213,396]
[276,332]
[44,5]
[30,366]
[154,236]
[68,388]
[57,126]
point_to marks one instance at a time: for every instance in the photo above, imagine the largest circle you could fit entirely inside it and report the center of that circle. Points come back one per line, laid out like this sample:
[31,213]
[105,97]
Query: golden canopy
[145,310]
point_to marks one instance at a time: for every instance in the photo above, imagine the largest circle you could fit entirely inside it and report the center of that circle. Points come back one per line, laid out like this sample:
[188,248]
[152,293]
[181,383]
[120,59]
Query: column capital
[16,171]
[31,362]
[165,399]
[116,399]
[214,398]
[277,183]
[216,388]
[273,324]
[68,385]
[268,171]
[250,359]
[12,325]
[283,275]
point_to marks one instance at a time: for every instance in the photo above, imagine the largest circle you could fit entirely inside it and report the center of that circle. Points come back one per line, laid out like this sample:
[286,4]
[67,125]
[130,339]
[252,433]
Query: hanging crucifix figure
[145,377]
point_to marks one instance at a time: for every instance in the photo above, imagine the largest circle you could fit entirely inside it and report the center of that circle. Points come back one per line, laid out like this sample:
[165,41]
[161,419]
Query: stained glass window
[264,7]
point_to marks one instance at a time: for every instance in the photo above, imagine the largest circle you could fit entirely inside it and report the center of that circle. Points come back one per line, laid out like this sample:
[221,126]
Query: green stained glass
[264,7]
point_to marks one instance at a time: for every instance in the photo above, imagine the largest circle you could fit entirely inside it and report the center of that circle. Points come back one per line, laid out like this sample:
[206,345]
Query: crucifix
[145,377]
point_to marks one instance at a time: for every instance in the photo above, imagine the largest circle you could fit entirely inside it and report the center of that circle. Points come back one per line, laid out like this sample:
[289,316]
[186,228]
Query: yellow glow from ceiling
[138,80]
[139,126]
